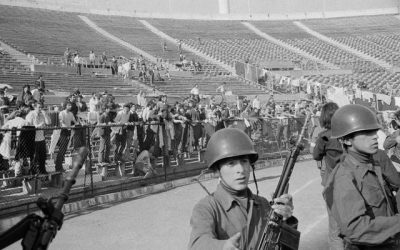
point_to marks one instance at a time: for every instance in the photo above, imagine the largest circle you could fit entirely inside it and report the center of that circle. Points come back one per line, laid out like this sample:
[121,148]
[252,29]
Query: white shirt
[17,122]
[195,91]
[66,118]
[256,103]
[77,59]
[38,120]
[93,104]
[92,56]
[36,94]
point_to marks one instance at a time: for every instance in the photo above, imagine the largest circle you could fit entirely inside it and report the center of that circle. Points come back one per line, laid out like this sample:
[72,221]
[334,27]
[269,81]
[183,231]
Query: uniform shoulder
[344,171]
[206,201]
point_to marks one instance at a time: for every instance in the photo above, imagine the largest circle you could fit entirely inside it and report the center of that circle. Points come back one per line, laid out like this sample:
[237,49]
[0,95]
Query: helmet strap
[255,179]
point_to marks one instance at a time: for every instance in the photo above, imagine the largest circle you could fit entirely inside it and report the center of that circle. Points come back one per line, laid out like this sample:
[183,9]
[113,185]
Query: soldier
[231,217]
[358,191]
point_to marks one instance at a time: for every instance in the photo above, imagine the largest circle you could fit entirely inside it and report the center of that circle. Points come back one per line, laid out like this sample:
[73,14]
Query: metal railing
[122,156]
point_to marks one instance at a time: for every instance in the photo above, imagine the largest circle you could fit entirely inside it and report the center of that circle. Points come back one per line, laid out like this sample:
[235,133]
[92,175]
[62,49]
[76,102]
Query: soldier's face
[364,142]
[235,172]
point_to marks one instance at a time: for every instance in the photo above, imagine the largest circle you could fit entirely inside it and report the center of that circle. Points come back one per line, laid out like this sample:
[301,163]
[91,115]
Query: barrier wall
[219,9]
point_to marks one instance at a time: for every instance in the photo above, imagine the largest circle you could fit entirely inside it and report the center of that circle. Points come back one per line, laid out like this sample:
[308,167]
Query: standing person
[94,103]
[358,192]
[104,134]
[39,119]
[67,57]
[232,217]
[327,152]
[40,83]
[67,119]
[36,93]
[114,66]
[256,103]
[393,141]
[195,93]
[130,130]
[78,64]
[92,59]
[26,95]
[222,89]
[180,46]
[141,98]
[120,139]
[103,60]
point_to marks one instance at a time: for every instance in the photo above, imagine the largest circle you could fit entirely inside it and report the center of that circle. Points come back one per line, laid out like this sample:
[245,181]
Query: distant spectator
[67,57]
[104,134]
[103,60]
[164,45]
[114,66]
[222,89]
[120,139]
[92,59]
[26,95]
[195,93]
[256,103]
[142,75]
[40,83]
[167,74]
[141,98]
[78,64]
[36,94]
[158,77]
[4,102]
[180,46]
[151,76]
[67,119]
[39,119]
[15,120]
[10,97]
[94,103]
[82,107]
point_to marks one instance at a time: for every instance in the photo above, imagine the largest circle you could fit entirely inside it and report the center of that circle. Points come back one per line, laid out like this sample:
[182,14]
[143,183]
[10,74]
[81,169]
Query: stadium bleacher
[45,34]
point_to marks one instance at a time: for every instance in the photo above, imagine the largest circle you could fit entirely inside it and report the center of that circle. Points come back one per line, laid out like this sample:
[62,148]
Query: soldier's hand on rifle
[232,243]
[283,206]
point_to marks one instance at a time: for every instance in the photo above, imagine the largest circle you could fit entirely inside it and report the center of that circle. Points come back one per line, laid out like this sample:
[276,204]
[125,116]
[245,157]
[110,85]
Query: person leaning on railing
[104,134]
[67,119]
[39,119]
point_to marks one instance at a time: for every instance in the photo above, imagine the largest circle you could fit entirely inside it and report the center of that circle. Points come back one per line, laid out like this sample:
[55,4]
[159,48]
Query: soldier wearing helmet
[358,191]
[231,217]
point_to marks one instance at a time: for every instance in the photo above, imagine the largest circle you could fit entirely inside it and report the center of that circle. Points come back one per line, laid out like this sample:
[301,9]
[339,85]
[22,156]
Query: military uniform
[357,195]
[232,208]
[219,216]
[357,192]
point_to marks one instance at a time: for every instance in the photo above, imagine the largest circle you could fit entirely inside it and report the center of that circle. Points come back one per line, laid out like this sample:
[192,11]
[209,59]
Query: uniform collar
[360,169]
[227,200]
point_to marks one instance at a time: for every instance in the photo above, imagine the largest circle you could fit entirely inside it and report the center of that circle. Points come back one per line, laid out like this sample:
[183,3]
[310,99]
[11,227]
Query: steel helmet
[353,118]
[229,142]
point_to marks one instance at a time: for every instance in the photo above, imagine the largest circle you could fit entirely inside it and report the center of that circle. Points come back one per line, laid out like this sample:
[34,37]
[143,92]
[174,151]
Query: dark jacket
[364,212]
[329,150]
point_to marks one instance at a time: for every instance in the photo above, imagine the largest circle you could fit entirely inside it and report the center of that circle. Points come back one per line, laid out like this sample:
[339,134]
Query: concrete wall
[219,9]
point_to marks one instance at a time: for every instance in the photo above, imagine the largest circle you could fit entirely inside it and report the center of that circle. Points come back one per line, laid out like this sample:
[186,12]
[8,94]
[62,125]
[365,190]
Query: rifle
[35,231]
[276,232]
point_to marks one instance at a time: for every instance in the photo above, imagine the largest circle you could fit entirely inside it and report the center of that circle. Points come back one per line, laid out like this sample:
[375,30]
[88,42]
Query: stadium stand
[46,34]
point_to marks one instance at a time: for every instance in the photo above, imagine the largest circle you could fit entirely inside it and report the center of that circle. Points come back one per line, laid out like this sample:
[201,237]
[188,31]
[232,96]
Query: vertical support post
[89,168]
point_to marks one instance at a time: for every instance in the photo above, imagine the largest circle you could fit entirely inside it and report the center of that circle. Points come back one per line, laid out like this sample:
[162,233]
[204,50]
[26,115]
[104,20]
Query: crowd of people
[182,132]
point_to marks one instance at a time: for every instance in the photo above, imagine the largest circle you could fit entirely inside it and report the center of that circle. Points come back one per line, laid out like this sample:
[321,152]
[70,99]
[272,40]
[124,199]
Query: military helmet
[353,118]
[226,143]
